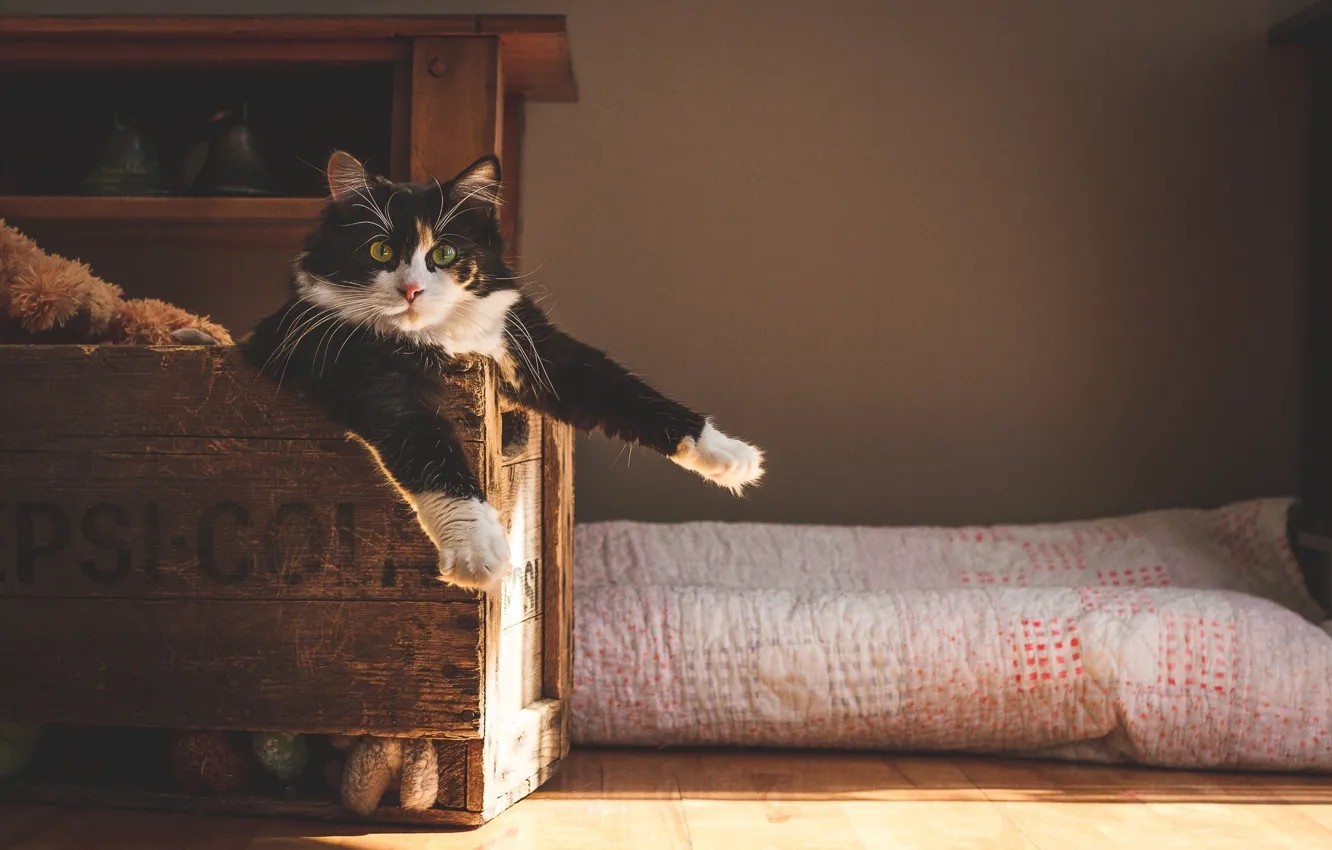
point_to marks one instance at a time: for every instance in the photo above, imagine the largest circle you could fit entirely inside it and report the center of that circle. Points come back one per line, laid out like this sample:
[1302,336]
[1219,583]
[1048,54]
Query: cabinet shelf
[169,210]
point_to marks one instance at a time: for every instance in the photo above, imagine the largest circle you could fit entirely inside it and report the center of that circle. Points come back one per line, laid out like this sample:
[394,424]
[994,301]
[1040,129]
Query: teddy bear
[374,765]
[46,298]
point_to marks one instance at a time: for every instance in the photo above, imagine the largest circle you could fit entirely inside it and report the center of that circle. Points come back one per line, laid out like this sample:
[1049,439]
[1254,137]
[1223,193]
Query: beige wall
[956,261]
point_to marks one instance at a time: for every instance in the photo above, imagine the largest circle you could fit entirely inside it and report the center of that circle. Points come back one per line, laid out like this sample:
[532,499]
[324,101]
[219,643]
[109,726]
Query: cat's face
[418,260]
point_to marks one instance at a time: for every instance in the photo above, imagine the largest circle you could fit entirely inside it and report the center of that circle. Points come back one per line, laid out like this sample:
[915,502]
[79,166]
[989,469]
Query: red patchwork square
[1148,576]
[1046,651]
[1198,653]
[1121,601]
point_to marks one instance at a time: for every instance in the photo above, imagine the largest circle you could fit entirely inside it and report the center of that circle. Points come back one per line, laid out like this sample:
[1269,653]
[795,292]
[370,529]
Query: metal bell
[126,164]
[232,167]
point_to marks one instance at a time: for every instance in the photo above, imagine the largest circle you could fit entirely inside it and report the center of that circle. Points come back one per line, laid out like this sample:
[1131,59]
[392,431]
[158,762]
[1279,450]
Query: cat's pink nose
[411,289]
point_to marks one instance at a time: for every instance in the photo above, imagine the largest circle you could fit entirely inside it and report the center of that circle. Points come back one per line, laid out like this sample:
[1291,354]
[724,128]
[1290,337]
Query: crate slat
[270,524]
[165,391]
[395,668]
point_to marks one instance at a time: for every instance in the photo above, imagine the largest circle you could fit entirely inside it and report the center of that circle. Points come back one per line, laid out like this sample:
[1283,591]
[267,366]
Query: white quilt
[1178,638]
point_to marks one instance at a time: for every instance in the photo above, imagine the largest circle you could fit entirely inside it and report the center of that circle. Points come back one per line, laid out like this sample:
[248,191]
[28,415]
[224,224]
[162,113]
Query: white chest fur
[473,326]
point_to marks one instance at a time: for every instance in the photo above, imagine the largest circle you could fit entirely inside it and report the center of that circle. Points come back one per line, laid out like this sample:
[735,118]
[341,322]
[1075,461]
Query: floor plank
[742,800]
[746,800]
[940,808]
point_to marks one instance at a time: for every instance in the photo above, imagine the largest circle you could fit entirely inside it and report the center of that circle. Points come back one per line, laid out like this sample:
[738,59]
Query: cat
[396,280]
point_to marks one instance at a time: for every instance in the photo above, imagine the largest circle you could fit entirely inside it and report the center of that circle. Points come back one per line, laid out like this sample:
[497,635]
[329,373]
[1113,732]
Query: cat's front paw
[473,551]
[725,461]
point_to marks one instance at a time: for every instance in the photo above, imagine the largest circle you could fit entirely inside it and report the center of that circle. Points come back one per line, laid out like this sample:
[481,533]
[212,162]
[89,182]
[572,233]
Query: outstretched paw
[473,551]
[725,461]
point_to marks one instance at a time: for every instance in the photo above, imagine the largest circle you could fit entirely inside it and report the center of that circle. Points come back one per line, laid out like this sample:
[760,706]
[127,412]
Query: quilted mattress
[1177,638]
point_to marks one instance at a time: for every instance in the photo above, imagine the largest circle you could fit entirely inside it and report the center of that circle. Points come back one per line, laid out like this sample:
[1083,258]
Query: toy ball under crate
[187,547]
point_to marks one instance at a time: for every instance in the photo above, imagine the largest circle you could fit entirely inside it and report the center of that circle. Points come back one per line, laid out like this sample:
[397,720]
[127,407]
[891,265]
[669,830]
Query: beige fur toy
[374,765]
[45,298]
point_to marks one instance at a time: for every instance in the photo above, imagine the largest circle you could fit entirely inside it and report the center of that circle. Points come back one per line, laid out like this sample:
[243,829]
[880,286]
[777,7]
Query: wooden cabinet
[186,547]
[414,98]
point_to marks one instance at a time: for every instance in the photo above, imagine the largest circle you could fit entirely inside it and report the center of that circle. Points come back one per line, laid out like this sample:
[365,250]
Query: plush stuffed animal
[376,764]
[45,298]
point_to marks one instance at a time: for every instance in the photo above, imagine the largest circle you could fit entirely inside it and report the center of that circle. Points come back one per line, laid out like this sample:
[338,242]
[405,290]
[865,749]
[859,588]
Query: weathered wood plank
[524,753]
[232,804]
[492,703]
[400,129]
[402,668]
[285,521]
[452,759]
[190,27]
[511,166]
[457,104]
[525,736]
[557,594]
[476,776]
[535,47]
[521,436]
[148,391]
[513,662]
[520,667]
[236,470]
[96,55]
[518,498]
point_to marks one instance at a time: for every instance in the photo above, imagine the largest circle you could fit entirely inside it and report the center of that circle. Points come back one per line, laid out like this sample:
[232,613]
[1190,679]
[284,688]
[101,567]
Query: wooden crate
[187,546]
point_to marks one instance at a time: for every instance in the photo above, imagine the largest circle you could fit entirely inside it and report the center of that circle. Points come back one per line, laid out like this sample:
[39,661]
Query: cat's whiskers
[297,329]
[373,236]
[340,285]
[305,323]
[483,192]
[439,218]
[363,192]
[384,222]
[364,311]
[457,236]
[351,334]
[443,221]
[520,276]
[522,355]
[289,329]
[379,230]
[348,307]
[536,353]
[531,358]
[291,340]
[345,312]
[285,313]
[310,328]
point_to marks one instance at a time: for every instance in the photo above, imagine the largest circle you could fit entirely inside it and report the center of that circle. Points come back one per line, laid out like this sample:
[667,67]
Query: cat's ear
[478,182]
[346,176]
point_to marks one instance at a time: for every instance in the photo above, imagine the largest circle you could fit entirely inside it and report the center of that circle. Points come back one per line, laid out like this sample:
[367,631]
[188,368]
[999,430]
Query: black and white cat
[395,280]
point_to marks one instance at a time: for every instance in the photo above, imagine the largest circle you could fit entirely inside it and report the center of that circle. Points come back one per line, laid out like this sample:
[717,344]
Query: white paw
[726,461]
[473,551]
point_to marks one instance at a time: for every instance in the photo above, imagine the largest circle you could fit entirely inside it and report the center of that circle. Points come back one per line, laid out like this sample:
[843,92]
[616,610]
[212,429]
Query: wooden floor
[740,800]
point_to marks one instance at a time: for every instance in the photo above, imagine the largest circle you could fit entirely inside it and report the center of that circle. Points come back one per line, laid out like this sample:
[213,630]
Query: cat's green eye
[444,254]
[381,251]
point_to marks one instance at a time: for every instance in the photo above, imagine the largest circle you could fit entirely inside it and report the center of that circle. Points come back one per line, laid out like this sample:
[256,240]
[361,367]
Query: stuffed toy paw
[374,765]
